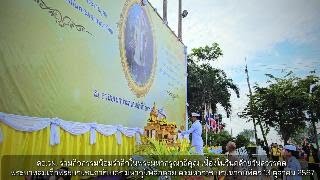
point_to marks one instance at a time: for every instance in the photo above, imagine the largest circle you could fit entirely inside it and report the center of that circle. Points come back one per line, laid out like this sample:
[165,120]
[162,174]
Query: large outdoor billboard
[101,61]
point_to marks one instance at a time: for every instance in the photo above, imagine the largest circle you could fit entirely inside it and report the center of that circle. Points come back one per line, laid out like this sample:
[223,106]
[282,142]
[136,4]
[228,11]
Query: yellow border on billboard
[139,91]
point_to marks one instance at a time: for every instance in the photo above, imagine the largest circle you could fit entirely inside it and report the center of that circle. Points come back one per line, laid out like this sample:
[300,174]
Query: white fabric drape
[30,124]
[54,132]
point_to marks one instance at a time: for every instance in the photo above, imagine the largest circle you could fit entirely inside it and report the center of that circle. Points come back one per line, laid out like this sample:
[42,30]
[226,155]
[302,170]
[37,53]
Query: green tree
[302,132]
[242,141]
[313,103]
[282,104]
[247,133]
[208,85]
[218,139]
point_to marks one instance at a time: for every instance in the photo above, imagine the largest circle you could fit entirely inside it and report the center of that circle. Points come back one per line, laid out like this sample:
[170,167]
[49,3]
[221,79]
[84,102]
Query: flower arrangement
[154,150]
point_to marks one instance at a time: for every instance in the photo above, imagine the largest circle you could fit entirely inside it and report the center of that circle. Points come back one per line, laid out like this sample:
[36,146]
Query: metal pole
[165,11]
[206,135]
[180,21]
[251,106]
[186,79]
[253,118]
[205,114]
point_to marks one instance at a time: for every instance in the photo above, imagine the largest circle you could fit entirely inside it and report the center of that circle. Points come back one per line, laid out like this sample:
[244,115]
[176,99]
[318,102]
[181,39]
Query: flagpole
[206,134]
[205,116]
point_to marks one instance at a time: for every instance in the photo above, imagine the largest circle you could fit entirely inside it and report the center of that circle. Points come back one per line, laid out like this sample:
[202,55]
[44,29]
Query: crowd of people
[299,158]
[306,154]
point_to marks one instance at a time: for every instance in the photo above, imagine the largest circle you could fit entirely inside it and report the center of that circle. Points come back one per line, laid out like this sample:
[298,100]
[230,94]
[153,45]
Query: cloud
[244,28]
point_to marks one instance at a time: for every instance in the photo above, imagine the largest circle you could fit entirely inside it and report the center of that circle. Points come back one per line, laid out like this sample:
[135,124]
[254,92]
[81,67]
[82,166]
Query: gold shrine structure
[159,128]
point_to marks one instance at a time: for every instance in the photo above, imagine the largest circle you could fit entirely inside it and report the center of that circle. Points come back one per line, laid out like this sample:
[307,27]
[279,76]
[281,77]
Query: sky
[274,36]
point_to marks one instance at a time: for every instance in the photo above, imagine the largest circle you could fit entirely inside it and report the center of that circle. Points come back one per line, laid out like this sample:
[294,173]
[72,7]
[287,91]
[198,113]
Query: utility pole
[251,107]
[180,21]
[165,3]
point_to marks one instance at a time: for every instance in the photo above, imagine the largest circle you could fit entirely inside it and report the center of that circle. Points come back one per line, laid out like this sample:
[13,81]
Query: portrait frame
[138,90]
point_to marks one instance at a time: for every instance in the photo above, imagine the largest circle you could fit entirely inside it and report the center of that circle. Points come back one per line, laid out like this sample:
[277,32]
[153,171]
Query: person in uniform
[292,163]
[196,131]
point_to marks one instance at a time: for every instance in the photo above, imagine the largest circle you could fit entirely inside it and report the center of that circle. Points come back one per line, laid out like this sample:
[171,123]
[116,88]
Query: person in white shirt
[196,130]
[292,163]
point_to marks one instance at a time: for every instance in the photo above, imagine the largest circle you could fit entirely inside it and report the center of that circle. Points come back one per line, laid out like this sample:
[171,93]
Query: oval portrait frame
[139,91]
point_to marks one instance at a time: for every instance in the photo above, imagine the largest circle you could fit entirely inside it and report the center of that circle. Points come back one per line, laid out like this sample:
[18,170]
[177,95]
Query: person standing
[281,157]
[292,163]
[313,161]
[233,156]
[196,131]
[275,152]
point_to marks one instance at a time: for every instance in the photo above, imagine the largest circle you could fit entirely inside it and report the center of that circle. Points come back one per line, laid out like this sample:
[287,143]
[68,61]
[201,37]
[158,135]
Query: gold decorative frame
[139,91]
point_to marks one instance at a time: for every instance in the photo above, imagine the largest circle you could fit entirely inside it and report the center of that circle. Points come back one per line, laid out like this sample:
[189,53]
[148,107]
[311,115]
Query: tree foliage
[247,133]
[283,104]
[313,112]
[218,139]
[207,84]
[207,53]
[302,133]
[242,141]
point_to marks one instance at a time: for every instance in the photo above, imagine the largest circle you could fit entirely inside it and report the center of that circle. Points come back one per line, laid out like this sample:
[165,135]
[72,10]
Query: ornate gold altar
[159,128]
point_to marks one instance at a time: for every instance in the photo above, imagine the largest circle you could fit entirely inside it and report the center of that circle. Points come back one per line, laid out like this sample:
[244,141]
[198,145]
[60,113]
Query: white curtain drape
[30,124]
